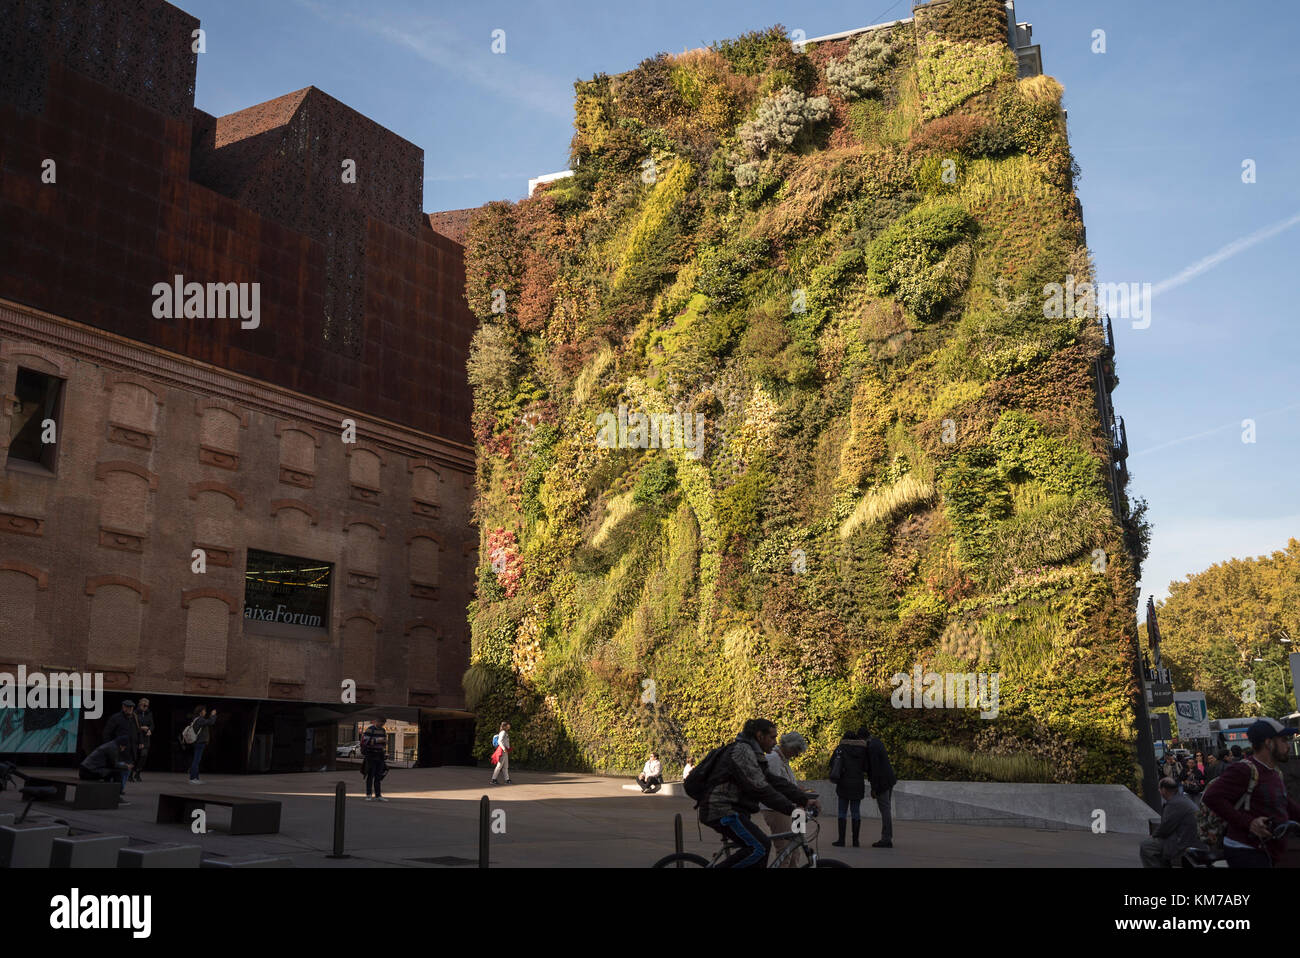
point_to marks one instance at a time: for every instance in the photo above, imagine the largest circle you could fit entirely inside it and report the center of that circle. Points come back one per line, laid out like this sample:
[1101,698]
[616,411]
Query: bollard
[677,833]
[340,805]
[484,815]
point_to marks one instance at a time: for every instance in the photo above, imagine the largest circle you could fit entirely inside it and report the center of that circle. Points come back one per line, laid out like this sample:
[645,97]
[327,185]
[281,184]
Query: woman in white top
[791,745]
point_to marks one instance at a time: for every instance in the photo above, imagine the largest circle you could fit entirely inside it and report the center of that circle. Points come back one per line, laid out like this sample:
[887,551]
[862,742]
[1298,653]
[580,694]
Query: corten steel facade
[184,434]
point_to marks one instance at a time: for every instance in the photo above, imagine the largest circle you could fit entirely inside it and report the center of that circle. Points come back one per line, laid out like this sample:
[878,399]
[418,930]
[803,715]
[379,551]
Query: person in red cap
[1251,797]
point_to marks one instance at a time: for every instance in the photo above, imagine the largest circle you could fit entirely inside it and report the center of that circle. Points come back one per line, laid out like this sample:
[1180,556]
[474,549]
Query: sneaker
[380,798]
[370,798]
[121,802]
[508,782]
[195,781]
[494,782]
[883,843]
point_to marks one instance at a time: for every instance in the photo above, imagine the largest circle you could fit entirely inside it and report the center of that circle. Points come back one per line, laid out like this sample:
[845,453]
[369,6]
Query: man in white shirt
[791,745]
[652,775]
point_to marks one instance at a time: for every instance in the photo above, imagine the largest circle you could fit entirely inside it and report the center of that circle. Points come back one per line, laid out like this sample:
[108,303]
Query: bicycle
[1211,857]
[32,793]
[798,843]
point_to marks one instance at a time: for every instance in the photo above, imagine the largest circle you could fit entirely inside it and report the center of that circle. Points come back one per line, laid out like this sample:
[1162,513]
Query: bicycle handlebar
[1284,829]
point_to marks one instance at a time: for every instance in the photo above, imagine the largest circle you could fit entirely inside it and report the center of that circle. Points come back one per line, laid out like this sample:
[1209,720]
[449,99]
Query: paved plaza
[552,820]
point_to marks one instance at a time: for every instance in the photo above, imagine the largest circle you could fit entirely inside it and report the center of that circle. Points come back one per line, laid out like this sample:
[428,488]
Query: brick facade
[177,434]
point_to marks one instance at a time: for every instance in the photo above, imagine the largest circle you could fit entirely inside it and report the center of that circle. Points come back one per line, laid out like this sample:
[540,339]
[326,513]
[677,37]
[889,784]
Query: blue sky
[1160,123]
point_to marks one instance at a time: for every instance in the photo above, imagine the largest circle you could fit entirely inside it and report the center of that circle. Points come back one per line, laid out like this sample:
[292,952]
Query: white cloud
[1226,252]
[439,43]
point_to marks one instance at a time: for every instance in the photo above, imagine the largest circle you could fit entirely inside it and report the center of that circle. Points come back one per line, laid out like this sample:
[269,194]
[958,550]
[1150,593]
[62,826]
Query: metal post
[484,815]
[340,806]
[677,838]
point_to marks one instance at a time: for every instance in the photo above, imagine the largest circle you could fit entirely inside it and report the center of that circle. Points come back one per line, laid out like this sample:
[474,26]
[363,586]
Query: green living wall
[833,260]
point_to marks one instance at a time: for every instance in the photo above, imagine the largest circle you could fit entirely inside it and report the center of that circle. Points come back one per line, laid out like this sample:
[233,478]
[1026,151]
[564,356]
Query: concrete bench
[89,794]
[248,816]
[28,845]
[87,851]
[249,862]
[160,856]
[667,788]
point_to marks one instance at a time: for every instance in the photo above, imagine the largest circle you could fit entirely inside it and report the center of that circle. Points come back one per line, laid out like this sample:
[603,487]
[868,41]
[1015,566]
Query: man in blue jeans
[108,764]
[741,783]
[881,775]
[203,720]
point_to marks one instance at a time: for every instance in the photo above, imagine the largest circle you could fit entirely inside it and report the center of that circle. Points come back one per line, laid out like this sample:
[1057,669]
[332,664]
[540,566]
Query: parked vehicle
[350,750]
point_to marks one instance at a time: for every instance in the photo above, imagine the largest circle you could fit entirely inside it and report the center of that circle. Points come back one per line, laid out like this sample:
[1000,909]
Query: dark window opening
[35,419]
[288,590]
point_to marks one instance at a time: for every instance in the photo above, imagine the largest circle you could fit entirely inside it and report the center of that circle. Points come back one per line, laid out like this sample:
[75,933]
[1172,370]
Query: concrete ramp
[1018,805]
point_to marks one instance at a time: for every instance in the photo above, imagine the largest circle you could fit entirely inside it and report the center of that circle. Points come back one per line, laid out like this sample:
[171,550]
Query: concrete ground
[551,819]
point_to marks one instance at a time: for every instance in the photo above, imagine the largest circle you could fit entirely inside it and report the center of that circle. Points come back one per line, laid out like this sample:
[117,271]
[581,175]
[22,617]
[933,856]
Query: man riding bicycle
[1251,797]
[740,785]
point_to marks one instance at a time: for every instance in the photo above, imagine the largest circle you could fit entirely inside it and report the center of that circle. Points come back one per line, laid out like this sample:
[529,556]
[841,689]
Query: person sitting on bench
[106,764]
[652,776]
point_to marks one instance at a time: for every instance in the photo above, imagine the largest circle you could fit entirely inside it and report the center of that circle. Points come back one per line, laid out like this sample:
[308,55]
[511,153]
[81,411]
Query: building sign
[1193,716]
[286,589]
[1160,694]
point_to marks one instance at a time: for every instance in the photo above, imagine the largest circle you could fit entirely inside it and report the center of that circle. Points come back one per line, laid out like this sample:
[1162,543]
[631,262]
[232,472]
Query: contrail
[1210,432]
[1227,252]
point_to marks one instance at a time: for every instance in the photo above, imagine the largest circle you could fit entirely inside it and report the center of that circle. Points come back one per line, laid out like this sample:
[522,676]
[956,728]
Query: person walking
[883,780]
[848,768]
[1177,830]
[374,758]
[502,754]
[790,746]
[1251,793]
[201,721]
[108,764]
[123,723]
[144,736]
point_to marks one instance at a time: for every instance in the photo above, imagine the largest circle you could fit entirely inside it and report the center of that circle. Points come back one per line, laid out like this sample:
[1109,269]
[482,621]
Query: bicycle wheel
[831,863]
[681,860]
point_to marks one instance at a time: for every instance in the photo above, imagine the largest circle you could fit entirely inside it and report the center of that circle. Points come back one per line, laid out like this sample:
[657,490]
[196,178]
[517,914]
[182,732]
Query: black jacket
[879,770]
[201,726]
[144,720]
[1177,831]
[123,724]
[853,752]
[744,782]
[104,758]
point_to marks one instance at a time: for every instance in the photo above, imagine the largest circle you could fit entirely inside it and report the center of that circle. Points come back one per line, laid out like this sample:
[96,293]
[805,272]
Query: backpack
[188,735]
[837,766]
[1210,828]
[702,776]
[496,739]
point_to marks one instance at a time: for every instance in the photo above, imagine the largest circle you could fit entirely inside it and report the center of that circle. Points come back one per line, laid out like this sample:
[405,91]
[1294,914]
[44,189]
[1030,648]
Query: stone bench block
[87,851]
[28,845]
[160,856]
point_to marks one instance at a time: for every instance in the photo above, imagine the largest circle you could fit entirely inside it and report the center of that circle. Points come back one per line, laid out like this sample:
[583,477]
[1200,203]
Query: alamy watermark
[179,299]
[947,690]
[1084,300]
[660,430]
[57,690]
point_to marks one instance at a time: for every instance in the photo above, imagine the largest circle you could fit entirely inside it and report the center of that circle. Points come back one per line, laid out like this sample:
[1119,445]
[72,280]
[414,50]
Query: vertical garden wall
[832,263]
